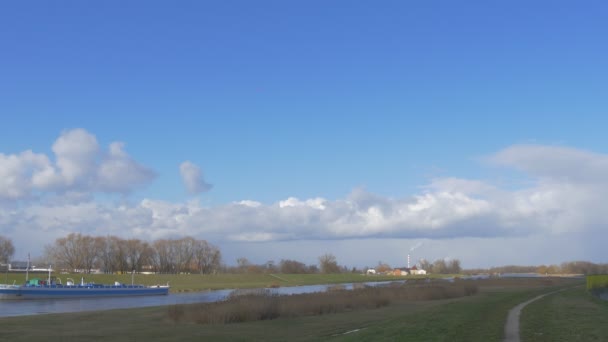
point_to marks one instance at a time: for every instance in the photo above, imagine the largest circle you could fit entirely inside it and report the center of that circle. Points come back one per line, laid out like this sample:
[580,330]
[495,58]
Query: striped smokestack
[408,261]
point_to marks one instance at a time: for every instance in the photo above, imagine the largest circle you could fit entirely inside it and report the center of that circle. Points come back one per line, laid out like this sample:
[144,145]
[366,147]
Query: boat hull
[56,292]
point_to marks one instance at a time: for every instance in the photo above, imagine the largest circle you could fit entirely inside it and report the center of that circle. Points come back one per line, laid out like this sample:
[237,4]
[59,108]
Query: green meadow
[198,282]
[570,315]
[476,316]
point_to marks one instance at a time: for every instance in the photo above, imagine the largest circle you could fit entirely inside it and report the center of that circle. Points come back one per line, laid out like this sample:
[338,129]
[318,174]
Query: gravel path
[512,325]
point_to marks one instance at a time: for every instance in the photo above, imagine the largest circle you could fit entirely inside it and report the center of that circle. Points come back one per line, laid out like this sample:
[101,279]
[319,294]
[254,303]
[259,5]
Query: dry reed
[255,305]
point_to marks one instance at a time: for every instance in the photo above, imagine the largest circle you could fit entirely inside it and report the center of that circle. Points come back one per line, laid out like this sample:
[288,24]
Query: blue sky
[274,99]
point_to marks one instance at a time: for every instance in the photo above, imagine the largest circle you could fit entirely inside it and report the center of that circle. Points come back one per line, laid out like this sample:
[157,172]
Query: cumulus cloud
[193,179]
[560,199]
[80,165]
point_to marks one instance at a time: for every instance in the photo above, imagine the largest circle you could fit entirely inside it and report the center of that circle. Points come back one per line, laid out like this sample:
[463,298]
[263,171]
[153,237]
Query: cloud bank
[564,194]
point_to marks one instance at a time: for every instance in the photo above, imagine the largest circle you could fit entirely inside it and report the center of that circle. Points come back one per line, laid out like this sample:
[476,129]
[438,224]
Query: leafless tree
[7,250]
[114,254]
[107,253]
[383,267]
[292,266]
[207,256]
[425,265]
[163,256]
[328,264]
[183,251]
[75,252]
[138,254]
[454,266]
[242,264]
[439,266]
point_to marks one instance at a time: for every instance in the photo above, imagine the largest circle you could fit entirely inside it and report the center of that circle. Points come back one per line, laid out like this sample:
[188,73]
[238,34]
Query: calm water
[10,308]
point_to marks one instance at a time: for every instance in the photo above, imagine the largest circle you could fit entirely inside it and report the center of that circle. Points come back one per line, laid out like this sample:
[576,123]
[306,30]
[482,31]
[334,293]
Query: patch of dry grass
[257,305]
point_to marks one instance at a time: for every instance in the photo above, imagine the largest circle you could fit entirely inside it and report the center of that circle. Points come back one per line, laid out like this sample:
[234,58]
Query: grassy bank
[570,315]
[472,318]
[198,282]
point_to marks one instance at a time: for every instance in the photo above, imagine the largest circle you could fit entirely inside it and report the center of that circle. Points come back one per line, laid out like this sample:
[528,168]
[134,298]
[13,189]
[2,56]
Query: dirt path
[512,325]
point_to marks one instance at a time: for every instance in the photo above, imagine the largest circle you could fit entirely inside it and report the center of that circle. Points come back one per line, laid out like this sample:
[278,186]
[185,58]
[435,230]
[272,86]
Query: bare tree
[425,264]
[90,251]
[242,264]
[105,259]
[76,252]
[454,266]
[120,251]
[7,250]
[113,254]
[138,253]
[207,257]
[439,266]
[328,264]
[183,252]
[383,267]
[163,256]
[292,266]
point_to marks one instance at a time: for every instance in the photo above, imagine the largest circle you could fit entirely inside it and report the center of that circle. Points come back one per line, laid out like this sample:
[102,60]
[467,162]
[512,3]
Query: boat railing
[96,286]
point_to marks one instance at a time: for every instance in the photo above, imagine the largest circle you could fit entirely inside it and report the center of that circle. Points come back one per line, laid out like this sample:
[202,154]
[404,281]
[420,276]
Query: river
[11,308]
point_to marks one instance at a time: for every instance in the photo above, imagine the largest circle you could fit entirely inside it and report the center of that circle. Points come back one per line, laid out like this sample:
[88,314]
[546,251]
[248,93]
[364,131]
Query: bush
[597,281]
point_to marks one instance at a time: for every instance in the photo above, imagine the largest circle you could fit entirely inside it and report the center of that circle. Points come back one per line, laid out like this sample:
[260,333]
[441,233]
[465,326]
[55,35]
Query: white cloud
[80,166]
[193,179]
[118,172]
[555,163]
[20,172]
[316,203]
[248,203]
[560,200]
[76,153]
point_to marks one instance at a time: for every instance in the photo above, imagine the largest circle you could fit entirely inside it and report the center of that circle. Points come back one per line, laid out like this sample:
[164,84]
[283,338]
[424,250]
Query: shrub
[597,281]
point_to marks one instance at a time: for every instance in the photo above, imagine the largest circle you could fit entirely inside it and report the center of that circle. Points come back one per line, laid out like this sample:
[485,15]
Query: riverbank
[479,317]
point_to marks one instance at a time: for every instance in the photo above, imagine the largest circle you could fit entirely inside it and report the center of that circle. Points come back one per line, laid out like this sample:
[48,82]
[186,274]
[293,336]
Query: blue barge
[41,289]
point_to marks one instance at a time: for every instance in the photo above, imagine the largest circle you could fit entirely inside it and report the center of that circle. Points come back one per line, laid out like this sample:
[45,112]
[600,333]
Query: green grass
[474,318]
[570,315]
[597,281]
[479,318]
[198,282]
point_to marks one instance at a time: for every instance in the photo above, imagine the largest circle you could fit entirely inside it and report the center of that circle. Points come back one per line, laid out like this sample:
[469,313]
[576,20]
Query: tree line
[113,254]
[441,266]
[327,264]
[569,267]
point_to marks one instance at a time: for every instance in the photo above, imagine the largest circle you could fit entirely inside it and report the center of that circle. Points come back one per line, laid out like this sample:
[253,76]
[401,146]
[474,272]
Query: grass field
[570,315]
[198,282]
[474,318]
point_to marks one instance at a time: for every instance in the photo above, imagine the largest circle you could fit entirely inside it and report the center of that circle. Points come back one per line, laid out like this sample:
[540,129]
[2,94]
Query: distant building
[18,266]
[415,271]
[403,271]
[22,266]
